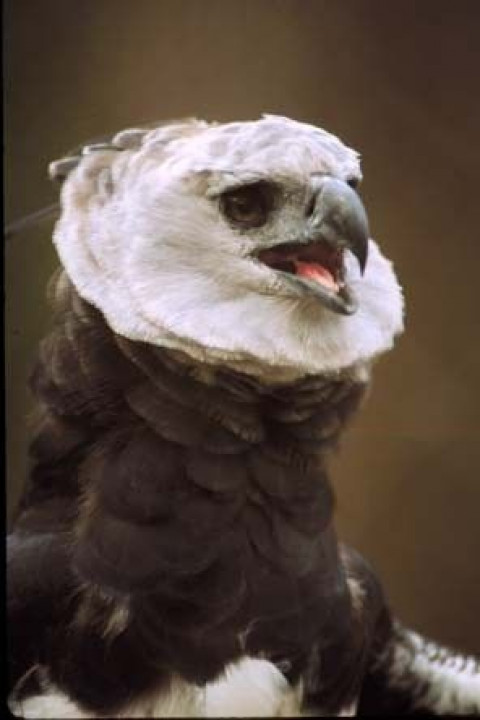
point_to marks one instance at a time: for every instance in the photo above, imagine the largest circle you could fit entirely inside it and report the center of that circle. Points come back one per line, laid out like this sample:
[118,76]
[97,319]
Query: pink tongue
[315,272]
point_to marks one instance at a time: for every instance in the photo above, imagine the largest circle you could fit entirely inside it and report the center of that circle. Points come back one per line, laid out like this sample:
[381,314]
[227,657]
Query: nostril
[354,182]
[311,205]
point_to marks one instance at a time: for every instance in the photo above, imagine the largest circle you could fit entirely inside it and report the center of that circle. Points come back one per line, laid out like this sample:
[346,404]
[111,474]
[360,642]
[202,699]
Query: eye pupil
[243,204]
[248,206]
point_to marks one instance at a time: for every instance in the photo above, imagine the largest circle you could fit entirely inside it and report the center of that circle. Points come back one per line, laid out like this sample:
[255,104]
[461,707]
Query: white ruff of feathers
[142,240]
[251,687]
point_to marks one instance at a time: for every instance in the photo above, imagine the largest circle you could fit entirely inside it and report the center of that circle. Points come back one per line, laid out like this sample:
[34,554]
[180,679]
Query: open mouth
[317,268]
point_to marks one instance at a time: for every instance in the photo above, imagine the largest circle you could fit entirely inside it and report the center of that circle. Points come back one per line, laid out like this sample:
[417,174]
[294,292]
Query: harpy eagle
[217,313]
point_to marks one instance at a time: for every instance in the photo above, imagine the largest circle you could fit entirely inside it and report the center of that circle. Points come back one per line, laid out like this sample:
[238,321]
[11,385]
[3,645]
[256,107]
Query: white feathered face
[243,244]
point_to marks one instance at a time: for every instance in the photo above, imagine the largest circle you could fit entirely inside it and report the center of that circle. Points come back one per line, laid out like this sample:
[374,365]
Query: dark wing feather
[39,591]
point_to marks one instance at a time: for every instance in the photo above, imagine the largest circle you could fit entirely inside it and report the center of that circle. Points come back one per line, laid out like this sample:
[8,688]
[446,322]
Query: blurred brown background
[398,81]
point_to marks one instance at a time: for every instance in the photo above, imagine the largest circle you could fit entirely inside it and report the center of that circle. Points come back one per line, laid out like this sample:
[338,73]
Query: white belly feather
[250,688]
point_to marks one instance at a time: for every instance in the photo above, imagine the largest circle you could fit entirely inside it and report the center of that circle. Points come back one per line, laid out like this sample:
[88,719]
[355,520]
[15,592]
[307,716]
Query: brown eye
[248,206]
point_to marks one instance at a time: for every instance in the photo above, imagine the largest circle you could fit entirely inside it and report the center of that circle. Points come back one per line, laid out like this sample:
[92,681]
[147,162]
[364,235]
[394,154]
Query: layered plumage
[175,541]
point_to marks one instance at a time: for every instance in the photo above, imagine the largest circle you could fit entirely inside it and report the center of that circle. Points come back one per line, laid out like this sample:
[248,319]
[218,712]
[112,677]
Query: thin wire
[17,226]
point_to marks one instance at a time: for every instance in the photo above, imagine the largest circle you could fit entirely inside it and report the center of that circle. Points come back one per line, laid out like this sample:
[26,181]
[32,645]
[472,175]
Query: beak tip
[361,253]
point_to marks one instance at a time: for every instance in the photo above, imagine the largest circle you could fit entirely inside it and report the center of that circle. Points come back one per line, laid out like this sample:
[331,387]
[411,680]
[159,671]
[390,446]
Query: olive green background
[397,80]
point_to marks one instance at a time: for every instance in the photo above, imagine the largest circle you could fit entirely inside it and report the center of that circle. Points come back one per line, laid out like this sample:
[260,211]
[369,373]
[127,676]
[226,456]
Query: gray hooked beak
[338,218]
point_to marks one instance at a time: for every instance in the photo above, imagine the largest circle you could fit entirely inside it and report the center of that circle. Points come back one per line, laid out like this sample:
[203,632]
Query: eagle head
[241,244]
